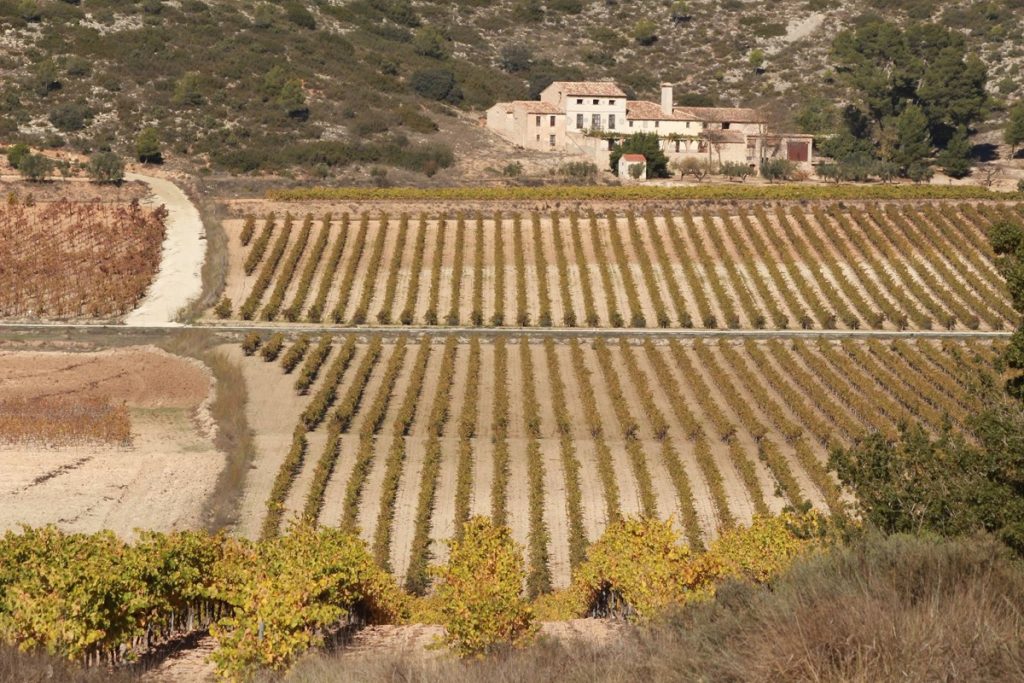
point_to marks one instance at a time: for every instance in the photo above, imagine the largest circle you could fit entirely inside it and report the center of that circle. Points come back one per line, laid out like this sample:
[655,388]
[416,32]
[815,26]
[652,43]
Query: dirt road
[179,279]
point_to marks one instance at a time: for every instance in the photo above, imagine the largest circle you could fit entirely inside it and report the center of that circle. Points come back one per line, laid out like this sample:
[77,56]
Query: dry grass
[901,608]
[64,420]
[234,438]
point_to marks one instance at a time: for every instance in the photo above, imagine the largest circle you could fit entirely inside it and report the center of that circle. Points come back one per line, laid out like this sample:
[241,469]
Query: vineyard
[64,421]
[404,439]
[746,265]
[76,259]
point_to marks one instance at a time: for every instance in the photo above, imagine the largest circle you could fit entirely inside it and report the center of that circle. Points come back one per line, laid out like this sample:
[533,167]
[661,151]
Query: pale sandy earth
[179,278]
[160,482]
[709,261]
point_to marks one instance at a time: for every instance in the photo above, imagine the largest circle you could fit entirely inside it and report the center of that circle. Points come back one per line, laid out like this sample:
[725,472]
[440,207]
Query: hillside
[327,85]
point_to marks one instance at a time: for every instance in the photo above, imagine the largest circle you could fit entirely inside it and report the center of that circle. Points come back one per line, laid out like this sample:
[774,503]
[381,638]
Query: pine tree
[955,160]
[1014,132]
[911,142]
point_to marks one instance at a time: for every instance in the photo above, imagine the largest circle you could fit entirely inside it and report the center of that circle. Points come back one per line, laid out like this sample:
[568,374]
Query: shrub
[299,15]
[251,343]
[512,170]
[645,32]
[16,154]
[223,308]
[736,171]
[105,167]
[147,146]
[698,168]
[436,84]
[71,117]
[430,42]
[479,590]
[35,168]
[776,169]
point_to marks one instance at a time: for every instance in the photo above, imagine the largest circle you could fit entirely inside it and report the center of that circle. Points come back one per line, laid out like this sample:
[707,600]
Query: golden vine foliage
[479,591]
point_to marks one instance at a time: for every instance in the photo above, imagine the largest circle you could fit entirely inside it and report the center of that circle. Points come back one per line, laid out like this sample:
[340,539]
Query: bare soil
[159,482]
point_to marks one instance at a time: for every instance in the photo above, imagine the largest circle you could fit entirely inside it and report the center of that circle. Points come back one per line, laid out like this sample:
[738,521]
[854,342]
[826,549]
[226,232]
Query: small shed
[628,160]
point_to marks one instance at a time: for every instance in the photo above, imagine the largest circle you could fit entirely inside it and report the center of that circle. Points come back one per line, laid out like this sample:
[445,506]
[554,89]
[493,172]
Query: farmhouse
[590,117]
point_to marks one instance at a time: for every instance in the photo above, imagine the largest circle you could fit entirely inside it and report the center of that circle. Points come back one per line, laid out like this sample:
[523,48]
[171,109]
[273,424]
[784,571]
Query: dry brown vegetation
[563,437]
[822,265]
[64,421]
[76,260]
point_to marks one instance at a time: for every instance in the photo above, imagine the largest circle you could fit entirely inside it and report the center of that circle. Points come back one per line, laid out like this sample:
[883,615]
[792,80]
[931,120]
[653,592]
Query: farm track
[393,331]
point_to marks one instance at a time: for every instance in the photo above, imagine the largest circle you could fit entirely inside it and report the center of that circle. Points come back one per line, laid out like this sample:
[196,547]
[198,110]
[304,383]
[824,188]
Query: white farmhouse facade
[590,117]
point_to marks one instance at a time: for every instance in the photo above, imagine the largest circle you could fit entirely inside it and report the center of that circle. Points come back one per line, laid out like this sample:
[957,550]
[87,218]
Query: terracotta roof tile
[642,110]
[536,107]
[634,157]
[590,88]
[721,114]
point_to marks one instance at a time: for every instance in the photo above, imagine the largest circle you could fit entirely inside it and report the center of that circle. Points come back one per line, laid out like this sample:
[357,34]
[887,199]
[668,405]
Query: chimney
[666,98]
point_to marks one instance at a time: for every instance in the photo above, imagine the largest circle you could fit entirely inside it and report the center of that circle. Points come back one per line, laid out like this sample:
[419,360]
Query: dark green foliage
[943,485]
[889,68]
[147,146]
[71,117]
[436,84]
[955,160]
[299,15]
[647,144]
[515,58]
[105,167]
[911,143]
[35,168]
[1013,134]
[430,42]
[16,154]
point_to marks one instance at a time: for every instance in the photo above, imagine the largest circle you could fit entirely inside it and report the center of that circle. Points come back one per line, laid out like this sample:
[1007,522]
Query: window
[657,124]
[551,140]
[611,121]
[677,145]
[595,121]
[725,126]
[687,124]
[704,125]
[538,138]
[630,124]
[597,101]
[552,122]
[579,101]
[579,121]
[611,103]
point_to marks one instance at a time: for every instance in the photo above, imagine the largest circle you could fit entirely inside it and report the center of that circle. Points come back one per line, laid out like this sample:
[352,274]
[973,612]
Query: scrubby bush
[773,170]
[223,308]
[436,84]
[251,343]
[736,171]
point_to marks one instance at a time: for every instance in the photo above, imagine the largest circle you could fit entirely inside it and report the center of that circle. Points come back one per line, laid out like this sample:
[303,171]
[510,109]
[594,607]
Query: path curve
[179,279]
